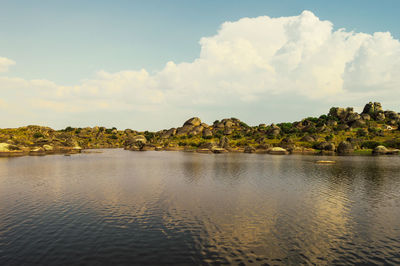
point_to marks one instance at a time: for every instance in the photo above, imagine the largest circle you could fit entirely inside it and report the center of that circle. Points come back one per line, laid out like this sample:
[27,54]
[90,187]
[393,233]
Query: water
[122,207]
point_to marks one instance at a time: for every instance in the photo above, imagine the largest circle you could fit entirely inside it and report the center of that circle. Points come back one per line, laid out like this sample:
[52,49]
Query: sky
[154,64]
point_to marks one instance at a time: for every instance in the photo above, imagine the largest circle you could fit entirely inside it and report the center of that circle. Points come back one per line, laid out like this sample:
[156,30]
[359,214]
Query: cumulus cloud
[5,63]
[249,63]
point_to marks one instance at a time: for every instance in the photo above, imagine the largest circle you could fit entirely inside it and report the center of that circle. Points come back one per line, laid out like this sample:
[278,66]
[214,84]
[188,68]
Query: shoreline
[341,132]
[316,153]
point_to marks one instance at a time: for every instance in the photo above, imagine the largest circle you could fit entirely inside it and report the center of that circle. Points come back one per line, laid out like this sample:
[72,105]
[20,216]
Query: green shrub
[392,143]
[69,129]
[38,135]
[194,144]
[243,124]
[237,135]
[148,135]
[311,130]
[286,127]
[370,144]
[219,134]
[312,119]
[323,117]
[361,133]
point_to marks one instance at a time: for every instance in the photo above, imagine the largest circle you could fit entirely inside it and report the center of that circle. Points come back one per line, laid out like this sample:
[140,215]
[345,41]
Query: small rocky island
[342,131]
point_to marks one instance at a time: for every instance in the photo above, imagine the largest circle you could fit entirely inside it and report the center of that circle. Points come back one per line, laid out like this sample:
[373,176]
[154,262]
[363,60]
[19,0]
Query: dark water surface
[122,207]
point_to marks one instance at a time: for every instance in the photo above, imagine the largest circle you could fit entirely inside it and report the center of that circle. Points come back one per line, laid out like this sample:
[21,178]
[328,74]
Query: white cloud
[251,62]
[5,63]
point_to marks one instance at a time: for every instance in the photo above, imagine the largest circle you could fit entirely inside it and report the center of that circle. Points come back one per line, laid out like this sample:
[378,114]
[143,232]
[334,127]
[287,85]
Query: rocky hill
[341,131]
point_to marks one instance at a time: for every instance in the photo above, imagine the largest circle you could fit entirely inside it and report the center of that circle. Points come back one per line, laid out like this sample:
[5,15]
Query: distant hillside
[341,131]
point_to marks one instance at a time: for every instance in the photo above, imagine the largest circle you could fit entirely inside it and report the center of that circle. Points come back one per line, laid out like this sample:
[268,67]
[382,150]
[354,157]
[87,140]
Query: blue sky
[67,42]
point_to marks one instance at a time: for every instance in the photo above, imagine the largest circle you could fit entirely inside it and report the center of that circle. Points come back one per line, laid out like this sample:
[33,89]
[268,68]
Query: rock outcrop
[345,147]
[366,131]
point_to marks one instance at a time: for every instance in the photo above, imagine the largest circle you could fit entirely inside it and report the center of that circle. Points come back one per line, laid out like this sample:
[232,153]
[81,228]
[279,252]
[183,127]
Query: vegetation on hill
[341,131]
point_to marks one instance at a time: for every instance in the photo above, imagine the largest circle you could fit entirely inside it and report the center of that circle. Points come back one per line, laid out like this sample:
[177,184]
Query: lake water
[121,207]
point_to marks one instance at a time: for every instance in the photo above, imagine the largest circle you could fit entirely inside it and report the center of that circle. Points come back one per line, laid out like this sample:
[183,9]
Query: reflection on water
[171,207]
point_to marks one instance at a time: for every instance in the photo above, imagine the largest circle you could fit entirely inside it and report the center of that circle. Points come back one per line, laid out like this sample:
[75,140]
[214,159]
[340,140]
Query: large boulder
[274,130]
[277,151]
[229,123]
[249,149]
[392,115]
[184,130]
[379,150]
[380,116]
[287,143]
[340,113]
[353,117]
[228,131]
[307,138]
[207,145]
[136,143]
[169,133]
[194,121]
[48,148]
[5,147]
[325,146]
[365,117]
[197,130]
[382,150]
[218,125]
[372,108]
[345,147]
[207,132]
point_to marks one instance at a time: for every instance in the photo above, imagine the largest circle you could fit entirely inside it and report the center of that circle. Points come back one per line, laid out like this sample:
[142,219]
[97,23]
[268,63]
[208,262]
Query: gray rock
[307,138]
[228,131]
[277,151]
[325,146]
[380,116]
[345,147]
[169,133]
[196,130]
[380,150]
[365,117]
[136,143]
[372,108]
[358,123]
[207,132]
[249,149]
[194,121]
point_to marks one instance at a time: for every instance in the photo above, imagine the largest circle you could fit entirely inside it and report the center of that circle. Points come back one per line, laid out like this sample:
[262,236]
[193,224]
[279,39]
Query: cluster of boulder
[372,111]
[220,134]
[341,131]
[194,127]
[38,140]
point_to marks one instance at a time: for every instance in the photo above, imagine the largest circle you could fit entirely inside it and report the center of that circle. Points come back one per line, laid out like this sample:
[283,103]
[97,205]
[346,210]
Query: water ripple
[123,207]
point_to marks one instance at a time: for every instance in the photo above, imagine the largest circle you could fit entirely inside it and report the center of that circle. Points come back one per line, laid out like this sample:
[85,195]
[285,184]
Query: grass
[363,152]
